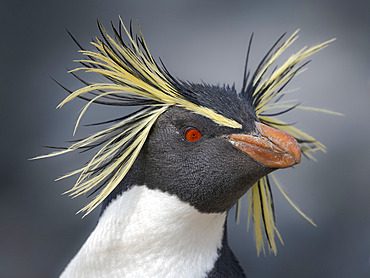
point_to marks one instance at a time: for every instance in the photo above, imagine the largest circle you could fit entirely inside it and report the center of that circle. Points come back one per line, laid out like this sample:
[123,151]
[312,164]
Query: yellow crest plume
[135,79]
[265,93]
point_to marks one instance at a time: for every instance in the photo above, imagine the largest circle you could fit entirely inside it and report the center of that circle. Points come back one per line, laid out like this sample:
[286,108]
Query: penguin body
[149,233]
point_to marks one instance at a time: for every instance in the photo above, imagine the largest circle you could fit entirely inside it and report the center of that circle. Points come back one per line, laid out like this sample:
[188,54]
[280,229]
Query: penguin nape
[167,175]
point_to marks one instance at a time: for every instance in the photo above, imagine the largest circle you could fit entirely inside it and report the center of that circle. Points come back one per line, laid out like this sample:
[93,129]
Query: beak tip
[296,153]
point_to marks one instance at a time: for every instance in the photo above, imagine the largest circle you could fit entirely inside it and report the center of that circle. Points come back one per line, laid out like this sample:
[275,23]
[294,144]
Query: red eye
[192,134]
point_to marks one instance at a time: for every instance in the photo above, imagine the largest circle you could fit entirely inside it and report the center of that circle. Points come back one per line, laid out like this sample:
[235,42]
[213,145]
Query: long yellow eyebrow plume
[264,92]
[135,72]
[135,80]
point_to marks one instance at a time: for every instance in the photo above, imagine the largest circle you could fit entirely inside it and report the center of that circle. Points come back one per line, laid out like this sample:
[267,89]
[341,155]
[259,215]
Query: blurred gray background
[198,41]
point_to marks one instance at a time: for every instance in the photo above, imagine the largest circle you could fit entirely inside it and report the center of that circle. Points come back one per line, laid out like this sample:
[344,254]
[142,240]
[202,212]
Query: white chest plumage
[148,233]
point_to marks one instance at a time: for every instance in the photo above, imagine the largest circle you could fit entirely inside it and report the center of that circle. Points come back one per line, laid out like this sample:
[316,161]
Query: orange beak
[271,147]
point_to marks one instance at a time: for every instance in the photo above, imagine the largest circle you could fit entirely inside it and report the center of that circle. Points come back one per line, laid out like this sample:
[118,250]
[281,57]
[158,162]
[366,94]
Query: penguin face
[207,171]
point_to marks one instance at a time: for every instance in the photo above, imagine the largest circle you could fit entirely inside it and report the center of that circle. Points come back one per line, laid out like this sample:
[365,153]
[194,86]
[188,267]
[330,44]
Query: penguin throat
[149,233]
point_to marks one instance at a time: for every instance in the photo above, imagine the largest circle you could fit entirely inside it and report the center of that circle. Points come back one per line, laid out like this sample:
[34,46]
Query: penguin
[167,175]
